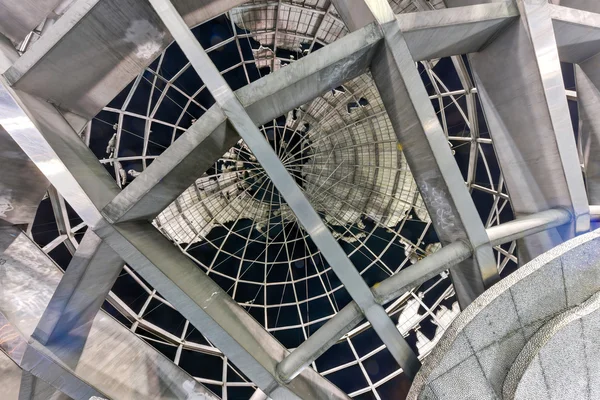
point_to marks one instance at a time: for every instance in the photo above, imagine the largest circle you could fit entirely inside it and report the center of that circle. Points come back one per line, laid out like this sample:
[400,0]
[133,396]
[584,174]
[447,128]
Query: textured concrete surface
[479,349]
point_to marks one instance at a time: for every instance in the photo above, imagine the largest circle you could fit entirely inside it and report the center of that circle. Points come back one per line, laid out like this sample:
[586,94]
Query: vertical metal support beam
[519,81]
[587,75]
[308,217]
[424,144]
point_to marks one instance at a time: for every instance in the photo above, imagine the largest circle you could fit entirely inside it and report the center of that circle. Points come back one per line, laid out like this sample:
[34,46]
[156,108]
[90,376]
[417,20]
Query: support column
[519,81]
[421,138]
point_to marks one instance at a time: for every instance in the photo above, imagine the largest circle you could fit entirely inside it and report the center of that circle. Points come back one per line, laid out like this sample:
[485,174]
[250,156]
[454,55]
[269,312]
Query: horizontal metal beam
[447,258]
[448,32]
[265,99]
[122,37]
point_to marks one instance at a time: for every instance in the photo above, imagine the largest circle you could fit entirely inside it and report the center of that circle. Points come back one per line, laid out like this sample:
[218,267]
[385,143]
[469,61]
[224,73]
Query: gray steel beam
[98,47]
[393,287]
[448,32]
[293,195]
[589,5]
[114,360]
[61,216]
[230,328]
[42,365]
[520,86]
[210,136]
[23,185]
[66,322]
[83,288]
[578,40]
[577,33]
[18,18]
[77,174]
[424,144]
[587,76]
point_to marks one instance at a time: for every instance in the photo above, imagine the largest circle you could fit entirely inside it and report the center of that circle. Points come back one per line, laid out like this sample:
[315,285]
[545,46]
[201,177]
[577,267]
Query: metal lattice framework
[329,142]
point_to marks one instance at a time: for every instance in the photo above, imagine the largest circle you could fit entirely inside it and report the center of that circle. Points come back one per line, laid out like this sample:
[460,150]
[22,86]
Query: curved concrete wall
[475,355]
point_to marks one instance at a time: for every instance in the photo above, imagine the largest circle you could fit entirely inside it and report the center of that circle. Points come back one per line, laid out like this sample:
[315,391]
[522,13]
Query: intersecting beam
[18,18]
[577,33]
[83,288]
[78,175]
[589,5]
[521,89]
[393,287]
[97,48]
[421,138]
[114,360]
[265,99]
[23,185]
[61,216]
[35,363]
[448,32]
[283,181]
[42,365]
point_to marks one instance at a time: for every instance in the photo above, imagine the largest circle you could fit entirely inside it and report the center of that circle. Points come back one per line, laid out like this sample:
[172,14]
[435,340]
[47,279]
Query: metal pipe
[432,265]
[446,258]
[595,213]
[319,342]
[525,226]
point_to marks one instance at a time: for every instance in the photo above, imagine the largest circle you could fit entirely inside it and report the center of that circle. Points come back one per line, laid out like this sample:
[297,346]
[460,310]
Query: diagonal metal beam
[114,360]
[448,32]
[61,216]
[521,89]
[78,175]
[421,138]
[295,198]
[208,307]
[83,288]
[577,33]
[265,99]
[122,37]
